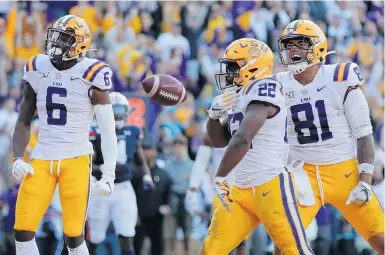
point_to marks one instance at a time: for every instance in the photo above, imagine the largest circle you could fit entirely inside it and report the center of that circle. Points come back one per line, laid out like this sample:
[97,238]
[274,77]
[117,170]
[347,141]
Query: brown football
[164,89]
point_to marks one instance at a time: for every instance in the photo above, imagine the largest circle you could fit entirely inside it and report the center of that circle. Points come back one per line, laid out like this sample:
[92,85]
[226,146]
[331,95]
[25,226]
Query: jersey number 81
[299,125]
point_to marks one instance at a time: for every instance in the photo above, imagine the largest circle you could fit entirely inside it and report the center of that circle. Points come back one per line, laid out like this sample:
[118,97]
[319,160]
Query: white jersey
[268,154]
[64,105]
[319,130]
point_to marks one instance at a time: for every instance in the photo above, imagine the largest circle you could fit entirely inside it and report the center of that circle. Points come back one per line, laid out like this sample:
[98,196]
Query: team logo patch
[304,92]
[58,76]
[254,52]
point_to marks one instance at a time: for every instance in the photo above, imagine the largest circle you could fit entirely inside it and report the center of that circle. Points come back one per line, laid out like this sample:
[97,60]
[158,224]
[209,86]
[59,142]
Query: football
[164,89]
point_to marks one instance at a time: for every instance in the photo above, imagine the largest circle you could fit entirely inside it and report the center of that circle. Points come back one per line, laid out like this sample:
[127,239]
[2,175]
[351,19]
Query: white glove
[192,203]
[361,194]
[105,186]
[222,103]
[21,169]
[223,192]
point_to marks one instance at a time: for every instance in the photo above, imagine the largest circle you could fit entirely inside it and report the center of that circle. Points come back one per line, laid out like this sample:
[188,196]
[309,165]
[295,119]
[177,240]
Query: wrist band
[366,168]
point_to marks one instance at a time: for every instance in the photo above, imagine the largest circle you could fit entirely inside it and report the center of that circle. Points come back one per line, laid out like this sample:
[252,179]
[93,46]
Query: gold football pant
[337,181]
[36,192]
[273,204]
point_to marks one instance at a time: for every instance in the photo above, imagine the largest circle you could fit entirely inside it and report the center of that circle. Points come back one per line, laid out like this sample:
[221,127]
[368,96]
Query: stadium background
[184,39]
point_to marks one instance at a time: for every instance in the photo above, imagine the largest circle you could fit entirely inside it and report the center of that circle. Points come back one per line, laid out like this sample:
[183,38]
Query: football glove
[21,169]
[105,186]
[192,202]
[223,192]
[222,103]
[148,184]
[361,194]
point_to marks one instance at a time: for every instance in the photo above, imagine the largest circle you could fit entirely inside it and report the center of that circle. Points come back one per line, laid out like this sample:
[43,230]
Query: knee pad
[126,243]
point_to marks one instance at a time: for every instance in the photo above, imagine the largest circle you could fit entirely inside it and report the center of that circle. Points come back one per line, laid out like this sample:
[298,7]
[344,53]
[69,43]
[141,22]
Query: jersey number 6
[50,106]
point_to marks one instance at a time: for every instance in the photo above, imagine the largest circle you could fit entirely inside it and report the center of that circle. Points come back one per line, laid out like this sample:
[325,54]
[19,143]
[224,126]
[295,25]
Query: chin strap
[298,70]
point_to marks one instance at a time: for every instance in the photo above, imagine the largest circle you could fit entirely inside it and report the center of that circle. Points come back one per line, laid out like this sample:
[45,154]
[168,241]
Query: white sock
[80,250]
[27,248]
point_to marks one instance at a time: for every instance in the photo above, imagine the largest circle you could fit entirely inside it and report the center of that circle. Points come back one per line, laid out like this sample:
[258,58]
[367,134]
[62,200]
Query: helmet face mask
[59,42]
[121,109]
[225,78]
[121,113]
[302,44]
[244,60]
[294,50]
[68,38]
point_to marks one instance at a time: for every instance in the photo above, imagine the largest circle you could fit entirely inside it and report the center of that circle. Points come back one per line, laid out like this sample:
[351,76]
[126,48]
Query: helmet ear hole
[253,70]
[321,50]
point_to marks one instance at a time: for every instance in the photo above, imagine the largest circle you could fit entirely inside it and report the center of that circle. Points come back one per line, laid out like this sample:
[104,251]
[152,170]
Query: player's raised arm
[22,131]
[109,146]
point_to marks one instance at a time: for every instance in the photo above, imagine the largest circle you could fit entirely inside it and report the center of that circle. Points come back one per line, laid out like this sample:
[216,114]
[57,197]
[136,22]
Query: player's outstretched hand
[222,103]
[223,192]
[21,169]
[148,183]
[361,194]
[105,186]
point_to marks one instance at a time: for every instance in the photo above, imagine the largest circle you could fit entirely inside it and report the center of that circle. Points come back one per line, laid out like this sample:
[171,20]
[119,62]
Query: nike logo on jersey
[74,78]
[347,175]
[265,193]
[319,89]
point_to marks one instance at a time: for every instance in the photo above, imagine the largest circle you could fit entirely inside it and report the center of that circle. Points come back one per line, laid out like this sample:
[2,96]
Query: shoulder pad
[99,74]
[348,73]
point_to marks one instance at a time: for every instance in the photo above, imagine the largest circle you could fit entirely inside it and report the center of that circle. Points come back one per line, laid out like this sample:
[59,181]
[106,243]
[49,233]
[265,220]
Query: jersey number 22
[50,106]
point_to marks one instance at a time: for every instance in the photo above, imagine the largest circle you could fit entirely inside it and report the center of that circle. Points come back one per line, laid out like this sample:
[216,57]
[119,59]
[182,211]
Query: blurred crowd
[184,39]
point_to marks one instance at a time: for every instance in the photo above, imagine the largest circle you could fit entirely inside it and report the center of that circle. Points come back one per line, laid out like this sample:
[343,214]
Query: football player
[67,89]
[206,153]
[263,190]
[120,207]
[329,132]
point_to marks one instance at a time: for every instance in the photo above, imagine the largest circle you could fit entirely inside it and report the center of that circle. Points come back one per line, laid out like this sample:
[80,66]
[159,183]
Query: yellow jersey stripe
[341,72]
[91,70]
